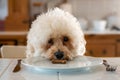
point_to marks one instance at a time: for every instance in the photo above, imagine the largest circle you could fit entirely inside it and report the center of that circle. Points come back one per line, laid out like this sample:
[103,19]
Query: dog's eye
[50,41]
[65,39]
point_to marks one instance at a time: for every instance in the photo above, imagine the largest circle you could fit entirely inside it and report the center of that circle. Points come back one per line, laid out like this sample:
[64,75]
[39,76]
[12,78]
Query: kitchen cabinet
[118,50]
[18,15]
[98,50]
[13,38]
[103,45]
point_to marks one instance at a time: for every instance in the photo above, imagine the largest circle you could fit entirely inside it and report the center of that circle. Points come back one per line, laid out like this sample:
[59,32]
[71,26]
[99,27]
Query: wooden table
[95,73]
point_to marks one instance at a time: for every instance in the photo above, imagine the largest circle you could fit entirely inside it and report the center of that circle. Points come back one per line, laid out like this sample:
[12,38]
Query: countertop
[85,32]
[102,33]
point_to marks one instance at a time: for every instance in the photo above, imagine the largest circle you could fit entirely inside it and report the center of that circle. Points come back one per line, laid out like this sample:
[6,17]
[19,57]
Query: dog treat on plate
[59,61]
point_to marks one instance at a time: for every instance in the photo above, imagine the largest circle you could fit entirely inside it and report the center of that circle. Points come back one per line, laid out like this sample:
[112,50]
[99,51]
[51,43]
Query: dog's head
[56,35]
[60,45]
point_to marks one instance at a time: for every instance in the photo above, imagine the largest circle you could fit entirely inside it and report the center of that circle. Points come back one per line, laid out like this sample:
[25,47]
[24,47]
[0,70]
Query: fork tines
[109,67]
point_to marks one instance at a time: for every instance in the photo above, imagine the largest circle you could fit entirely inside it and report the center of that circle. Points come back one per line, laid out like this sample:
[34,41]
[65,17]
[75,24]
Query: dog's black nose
[59,54]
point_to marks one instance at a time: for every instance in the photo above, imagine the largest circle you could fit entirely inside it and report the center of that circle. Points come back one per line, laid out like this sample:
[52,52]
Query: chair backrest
[8,51]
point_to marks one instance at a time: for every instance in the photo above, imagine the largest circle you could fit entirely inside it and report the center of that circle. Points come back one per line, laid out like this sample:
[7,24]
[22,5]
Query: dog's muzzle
[59,54]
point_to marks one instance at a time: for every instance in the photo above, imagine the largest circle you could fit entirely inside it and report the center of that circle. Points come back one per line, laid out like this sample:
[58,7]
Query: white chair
[8,51]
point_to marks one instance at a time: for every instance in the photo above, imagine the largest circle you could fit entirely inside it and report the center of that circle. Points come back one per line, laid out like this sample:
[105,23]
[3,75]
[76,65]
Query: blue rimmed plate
[78,63]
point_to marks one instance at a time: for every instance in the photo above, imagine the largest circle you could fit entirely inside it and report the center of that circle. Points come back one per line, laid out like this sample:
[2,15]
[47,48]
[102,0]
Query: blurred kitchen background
[99,19]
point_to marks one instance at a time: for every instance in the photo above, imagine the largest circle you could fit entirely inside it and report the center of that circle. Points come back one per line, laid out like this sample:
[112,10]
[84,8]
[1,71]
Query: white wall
[95,9]
[90,9]
[3,9]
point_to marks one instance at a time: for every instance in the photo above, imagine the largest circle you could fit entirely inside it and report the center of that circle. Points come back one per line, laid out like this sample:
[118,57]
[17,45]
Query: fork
[18,66]
[109,67]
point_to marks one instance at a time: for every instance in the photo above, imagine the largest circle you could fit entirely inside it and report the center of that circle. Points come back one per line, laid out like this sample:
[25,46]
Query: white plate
[79,63]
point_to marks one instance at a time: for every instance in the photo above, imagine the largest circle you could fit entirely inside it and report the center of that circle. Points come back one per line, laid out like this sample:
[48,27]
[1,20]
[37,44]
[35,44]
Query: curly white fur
[59,22]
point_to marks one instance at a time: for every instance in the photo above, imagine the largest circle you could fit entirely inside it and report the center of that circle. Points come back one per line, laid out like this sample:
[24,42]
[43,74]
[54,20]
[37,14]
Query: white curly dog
[55,35]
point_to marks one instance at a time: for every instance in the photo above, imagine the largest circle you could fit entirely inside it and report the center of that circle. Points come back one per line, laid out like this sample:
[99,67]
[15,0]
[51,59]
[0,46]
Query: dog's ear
[30,50]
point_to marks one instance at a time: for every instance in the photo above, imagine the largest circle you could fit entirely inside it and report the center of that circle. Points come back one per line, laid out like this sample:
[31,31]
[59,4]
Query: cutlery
[18,66]
[109,67]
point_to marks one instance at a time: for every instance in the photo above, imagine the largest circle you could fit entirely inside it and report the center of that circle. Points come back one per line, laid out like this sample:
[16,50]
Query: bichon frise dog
[55,35]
